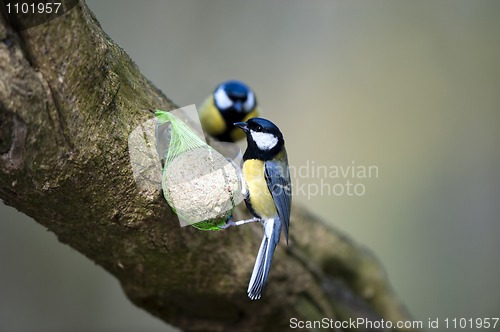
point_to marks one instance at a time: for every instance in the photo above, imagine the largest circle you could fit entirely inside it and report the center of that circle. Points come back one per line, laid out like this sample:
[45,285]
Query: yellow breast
[260,198]
[211,119]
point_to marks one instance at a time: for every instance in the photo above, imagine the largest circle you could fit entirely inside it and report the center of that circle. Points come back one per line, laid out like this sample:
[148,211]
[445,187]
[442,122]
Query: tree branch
[69,97]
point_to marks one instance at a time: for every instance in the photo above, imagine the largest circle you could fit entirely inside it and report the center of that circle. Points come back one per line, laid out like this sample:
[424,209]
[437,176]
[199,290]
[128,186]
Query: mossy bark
[69,97]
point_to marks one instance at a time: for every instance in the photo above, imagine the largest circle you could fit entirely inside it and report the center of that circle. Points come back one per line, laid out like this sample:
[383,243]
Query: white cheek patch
[250,102]
[264,141]
[221,99]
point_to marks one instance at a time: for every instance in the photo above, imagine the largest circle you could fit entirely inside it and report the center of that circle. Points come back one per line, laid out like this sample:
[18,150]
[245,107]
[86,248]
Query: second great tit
[267,192]
[230,102]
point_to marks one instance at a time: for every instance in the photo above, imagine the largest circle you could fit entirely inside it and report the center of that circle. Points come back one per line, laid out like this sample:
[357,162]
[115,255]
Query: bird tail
[272,231]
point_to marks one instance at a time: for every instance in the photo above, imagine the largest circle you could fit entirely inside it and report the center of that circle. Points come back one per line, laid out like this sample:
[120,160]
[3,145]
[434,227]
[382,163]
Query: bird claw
[229,223]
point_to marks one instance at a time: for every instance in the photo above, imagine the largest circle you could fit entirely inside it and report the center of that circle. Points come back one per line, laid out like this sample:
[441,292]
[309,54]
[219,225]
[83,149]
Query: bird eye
[258,127]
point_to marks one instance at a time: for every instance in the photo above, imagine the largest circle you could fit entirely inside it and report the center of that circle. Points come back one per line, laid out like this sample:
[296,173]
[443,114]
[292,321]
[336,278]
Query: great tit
[267,192]
[230,102]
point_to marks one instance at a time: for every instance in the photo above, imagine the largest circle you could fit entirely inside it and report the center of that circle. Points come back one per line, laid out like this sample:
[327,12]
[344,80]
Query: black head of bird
[264,139]
[231,101]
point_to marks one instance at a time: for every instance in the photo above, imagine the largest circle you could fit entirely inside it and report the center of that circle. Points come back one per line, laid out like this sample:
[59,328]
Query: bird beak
[242,125]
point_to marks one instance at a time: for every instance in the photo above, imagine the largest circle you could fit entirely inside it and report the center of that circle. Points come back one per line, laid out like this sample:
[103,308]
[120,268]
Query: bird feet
[230,222]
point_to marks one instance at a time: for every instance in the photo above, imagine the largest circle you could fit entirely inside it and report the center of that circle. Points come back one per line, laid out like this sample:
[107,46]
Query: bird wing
[279,184]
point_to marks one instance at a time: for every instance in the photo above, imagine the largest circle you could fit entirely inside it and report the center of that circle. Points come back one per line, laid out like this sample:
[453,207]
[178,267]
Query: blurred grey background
[411,87]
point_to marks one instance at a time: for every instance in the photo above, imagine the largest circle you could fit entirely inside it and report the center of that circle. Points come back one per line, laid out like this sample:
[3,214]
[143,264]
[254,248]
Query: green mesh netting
[193,174]
[182,137]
